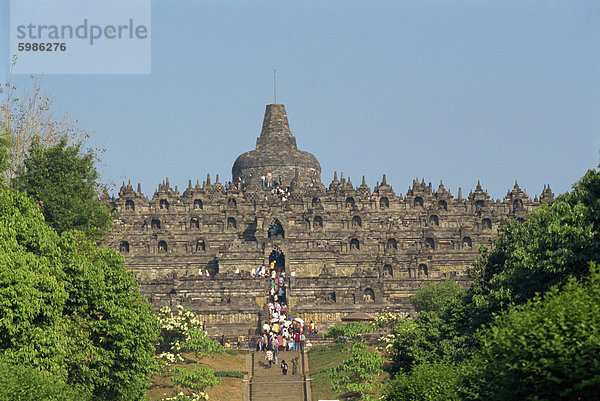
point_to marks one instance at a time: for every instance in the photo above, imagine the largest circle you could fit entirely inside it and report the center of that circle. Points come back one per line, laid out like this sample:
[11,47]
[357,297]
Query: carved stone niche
[328,297]
[368,295]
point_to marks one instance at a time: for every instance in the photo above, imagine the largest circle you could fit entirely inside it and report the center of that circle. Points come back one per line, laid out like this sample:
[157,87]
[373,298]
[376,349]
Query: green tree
[350,331]
[427,339]
[200,344]
[33,285]
[430,337]
[196,381]
[63,181]
[523,329]
[436,297]
[553,244]
[430,381]
[19,382]
[118,330]
[70,308]
[356,375]
[546,349]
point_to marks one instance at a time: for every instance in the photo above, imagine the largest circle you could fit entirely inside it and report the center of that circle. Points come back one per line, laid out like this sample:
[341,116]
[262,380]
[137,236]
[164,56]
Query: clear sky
[451,90]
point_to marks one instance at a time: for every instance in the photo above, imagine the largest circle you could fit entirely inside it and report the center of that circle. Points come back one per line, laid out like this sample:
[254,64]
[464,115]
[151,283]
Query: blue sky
[451,90]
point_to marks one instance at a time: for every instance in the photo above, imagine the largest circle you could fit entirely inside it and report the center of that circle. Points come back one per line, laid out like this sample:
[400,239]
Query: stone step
[288,379]
[267,384]
[277,390]
[261,364]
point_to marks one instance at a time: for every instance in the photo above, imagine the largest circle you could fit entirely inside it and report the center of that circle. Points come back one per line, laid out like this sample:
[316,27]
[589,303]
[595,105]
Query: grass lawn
[230,388]
[321,359]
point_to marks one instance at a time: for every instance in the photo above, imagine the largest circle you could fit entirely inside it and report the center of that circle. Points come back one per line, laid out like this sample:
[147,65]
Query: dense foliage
[555,243]
[73,324]
[19,382]
[436,297]
[527,328]
[350,331]
[548,348]
[63,182]
[356,376]
[70,308]
[431,381]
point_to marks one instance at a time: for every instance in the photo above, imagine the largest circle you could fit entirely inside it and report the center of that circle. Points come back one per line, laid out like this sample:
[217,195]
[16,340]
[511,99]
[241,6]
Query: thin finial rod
[275,86]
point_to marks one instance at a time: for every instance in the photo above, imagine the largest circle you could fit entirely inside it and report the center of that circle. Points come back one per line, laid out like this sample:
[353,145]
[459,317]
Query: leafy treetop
[63,181]
[70,308]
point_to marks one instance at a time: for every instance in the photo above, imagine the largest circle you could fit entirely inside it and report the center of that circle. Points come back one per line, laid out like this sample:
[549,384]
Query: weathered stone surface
[276,151]
[351,249]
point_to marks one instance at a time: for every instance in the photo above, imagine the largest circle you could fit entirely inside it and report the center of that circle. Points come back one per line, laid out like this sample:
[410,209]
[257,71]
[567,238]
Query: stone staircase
[269,384]
[266,384]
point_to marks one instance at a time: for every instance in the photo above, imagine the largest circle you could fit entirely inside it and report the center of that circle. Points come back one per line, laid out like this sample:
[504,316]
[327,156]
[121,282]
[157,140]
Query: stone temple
[344,248]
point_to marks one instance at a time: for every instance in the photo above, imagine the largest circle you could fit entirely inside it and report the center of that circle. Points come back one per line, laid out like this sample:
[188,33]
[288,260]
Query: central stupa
[276,151]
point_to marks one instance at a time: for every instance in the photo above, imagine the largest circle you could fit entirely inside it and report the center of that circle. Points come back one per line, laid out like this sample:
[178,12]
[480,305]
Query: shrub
[23,382]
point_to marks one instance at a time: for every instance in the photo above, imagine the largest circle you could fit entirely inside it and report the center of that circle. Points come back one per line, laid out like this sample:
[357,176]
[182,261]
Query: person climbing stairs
[269,384]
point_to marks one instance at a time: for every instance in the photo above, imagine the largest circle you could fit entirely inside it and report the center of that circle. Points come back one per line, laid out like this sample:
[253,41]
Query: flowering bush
[393,322]
[169,358]
[175,328]
[387,319]
[386,343]
[182,332]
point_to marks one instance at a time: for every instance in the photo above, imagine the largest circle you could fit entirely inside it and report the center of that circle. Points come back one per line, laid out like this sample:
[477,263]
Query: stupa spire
[276,151]
[275,129]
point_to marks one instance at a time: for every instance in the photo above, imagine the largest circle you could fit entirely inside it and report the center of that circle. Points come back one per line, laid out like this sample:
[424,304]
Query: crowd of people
[238,183]
[283,193]
[269,181]
[280,333]
[276,271]
[276,185]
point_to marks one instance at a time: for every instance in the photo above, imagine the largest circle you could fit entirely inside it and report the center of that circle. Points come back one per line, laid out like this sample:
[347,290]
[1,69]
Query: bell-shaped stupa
[276,152]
